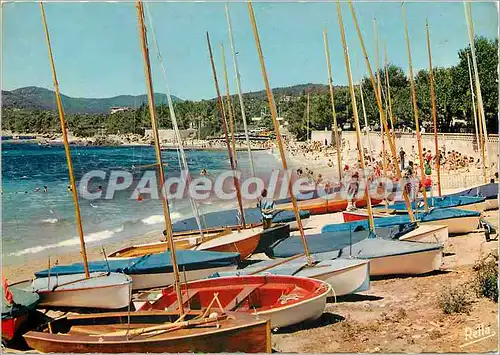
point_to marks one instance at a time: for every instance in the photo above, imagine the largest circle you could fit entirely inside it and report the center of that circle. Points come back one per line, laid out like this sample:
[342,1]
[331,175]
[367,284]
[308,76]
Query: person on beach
[266,206]
[352,191]
[402,154]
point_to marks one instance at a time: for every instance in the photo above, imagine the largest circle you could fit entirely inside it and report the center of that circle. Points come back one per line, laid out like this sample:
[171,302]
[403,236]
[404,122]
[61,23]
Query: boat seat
[186,296]
[244,293]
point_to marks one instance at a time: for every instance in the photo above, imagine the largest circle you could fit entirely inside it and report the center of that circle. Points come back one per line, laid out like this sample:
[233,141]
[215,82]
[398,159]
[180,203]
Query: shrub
[485,279]
[457,299]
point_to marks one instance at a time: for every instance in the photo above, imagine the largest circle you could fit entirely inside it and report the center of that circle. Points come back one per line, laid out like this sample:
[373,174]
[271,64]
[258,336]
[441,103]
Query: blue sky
[97,53]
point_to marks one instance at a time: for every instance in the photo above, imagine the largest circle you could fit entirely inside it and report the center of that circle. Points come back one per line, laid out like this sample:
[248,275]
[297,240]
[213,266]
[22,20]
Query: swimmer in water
[45,189]
[36,189]
[203,172]
[69,188]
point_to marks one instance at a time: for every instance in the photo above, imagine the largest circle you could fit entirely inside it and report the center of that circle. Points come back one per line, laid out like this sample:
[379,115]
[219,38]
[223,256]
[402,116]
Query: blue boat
[458,221]
[472,203]
[155,270]
[488,191]
[226,218]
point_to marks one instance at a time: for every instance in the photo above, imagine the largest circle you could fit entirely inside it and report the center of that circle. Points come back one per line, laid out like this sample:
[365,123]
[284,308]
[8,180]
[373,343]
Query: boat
[458,221]
[153,332]
[285,300]
[361,213]
[345,276]
[428,233]
[102,290]
[392,257]
[152,270]
[488,191]
[322,205]
[16,307]
[470,203]
[227,219]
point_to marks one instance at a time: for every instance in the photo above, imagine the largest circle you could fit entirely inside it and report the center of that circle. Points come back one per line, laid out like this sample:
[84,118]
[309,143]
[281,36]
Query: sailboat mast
[389,101]
[392,144]
[415,108]
[332,101]
[479,142]
[159,162]
[240,94]
[355,113]
[364,116]
[479,96]
[62,121]
[229,107]
[379,90]
[226,135]
[433,99]
[308,118]
[272,107]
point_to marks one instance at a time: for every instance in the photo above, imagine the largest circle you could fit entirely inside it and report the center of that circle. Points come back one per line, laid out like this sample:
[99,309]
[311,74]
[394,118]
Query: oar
[179,325]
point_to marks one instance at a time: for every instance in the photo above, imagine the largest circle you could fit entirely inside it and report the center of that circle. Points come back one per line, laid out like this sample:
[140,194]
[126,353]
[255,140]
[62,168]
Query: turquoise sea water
[41,223]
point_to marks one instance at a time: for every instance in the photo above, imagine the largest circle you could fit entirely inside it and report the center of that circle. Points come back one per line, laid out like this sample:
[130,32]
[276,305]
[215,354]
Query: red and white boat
[285,300]
[16,306]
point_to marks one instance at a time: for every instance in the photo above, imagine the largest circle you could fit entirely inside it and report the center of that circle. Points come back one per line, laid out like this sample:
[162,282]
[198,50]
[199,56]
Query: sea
[38,215]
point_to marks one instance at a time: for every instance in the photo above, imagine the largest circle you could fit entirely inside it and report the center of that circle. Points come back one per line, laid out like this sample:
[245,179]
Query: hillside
[33,97]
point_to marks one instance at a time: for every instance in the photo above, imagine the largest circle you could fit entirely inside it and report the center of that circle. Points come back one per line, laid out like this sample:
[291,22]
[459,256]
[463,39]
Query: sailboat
[213,330]
[84,289]
[488,191]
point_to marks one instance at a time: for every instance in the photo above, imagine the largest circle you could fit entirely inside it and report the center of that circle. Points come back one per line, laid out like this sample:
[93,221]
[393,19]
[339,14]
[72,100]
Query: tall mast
[308,118]
[224,127]
[433,99]
[62,121]
[379,90]
[392,144]
[355,113]
[364,115]
[389,101]
[415,109]
[272,108]
[159,162]
[482,117]
[240,94]
[332,101]
[479,142]
[228,102]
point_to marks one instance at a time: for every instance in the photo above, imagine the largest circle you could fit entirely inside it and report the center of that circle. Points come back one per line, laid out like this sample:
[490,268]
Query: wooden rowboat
[153,332]
[322,206]
[243,241]
[285,300]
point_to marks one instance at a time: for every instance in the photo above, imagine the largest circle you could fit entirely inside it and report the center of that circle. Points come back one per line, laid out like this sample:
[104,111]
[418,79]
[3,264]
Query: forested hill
[33,109]
[36,98]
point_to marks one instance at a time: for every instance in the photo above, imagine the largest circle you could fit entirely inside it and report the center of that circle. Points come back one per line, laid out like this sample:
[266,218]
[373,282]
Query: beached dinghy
[102,290]
[471,203]
[488,191]
[285,300]
[242,241]
[227,219]
[16,306]
[345,276]
[392,257]
[153,332]
[152,270]
[458,221]
[321,205]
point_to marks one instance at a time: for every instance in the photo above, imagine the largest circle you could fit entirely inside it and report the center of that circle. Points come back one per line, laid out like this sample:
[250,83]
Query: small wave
[50,220]
[158,218]
[91,237]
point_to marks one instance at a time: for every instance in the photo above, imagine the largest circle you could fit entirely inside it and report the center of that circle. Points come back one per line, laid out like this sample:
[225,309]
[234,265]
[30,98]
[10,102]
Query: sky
[97,50]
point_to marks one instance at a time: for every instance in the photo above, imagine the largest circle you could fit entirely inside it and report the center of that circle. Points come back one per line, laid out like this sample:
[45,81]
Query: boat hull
[428,233]
[77,291]
[149,281]
[244,242]
[322,206]
[354,277]
[10,327]
[240,333]
[406,264]
[491,204]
